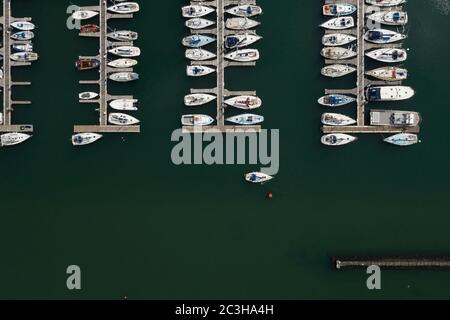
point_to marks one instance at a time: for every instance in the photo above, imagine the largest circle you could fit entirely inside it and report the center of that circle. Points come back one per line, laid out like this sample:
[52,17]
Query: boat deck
[6,83]
[362,82]
[220,32]
[104,71]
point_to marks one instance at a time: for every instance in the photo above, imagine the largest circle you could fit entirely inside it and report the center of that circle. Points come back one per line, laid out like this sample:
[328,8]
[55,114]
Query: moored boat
[392,18]
[389,73]
[23,25]
[22,35]
[244,55]
[337,53]
[123,63]
[87,95]
[196,120]
[245,11]
[84,14]
[196,41]
[340,23]
[403,139]
[198,71]
[25,47]
[385,3]
[199,54]
[335,100]
[196,11]
[241,23]
[240,40]
[13,138]
[89,28]
[339,9]
[82,139]
[124,76]
[394,118]
[337,39]
[337,139]
[87,64]
[198,23]
[336,119]
[389,93]
[122,119]
[337,70]
[24,56]
[381,36]
[126,51]
[244,102]
[124,8]
[388,55]
[198,99]
[123,35]
[124,104]
[246,119]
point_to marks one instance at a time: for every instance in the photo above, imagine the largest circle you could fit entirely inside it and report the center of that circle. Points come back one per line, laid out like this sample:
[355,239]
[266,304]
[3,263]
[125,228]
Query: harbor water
[143,228]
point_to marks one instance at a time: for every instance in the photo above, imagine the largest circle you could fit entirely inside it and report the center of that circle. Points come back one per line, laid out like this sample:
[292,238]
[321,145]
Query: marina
[228,35]
[16,52]
[370,43]
[120,71]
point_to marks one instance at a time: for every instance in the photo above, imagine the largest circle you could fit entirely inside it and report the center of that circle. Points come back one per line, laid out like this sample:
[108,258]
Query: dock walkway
[362,82]
[6,82]
[104,98]
[220,32]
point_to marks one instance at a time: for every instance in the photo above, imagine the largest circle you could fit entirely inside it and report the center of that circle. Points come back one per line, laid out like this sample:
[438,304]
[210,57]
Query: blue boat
[335,100]
[197,41]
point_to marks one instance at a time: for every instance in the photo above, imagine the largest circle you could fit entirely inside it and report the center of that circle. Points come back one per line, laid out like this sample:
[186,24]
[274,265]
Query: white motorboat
[381,36]
[84,14]
[394,118]
[123,76]
[246,119]
[337,139]
[23,25]
[24,56]
[244,55]
[126,51]
[389,93]
[388,55]
[123,35]
[337,39]
[403,139]
[1,118]
[257,177]
[88,95]
[198,71]
[244,102]
[122,119]
[337,70]
[124,104]
[339,23]
[336,119]
[82,139]
[123,63]
[337,53]
[392,18]
[13,138]
[198,99]
[124,8]
[198,23]
[199,54]
[385,3]
[389,73]
[245,11]
[196,120]
[241,23]
[196,11]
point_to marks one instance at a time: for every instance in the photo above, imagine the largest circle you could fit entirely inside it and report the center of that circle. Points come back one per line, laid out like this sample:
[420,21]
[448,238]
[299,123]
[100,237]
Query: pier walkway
[104,98]
[362,82]
[220,32]
[391,262]
[6,83]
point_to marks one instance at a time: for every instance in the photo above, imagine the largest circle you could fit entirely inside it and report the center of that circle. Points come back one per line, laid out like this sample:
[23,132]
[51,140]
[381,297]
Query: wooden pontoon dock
[392,262]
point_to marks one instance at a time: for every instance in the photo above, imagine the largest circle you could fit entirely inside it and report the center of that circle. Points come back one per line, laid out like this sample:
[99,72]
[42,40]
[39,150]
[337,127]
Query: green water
[140,227]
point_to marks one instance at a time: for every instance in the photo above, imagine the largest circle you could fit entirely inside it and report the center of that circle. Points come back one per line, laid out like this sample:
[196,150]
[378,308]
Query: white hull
[198,71]
[340,23]
[122,119]
[337,70]
[84,14]
[336,119]
[196,120]
[245,11]
[198,99]
[125,8]
[87,95]
[13,138]
[124,76]
[391,18]
[199,54]
[241,23]
[126,51]
[196,11]
[245,55]
[123,35]
[388,55]
[123,63]
[337,53]
[198,23]
[337,39]
[124,104]
[246,119]
[23,25]
[389,73]
[385,3]
[83,139]
[337,139]
[403,139]
[244,102]
[257,177]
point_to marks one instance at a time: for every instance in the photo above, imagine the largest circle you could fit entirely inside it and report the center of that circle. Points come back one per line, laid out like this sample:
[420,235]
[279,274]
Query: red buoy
[270,195]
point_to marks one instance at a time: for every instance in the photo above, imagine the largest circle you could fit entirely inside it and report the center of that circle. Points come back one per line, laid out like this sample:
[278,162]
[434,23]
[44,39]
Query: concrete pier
[220,32]
[362,82]
[104,70]
[392,262]
[6,82]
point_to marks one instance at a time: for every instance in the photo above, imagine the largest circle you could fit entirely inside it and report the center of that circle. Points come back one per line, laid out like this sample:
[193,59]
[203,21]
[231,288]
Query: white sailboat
[199,54]
[337,139]
[82,139]
[198,99]
[123,63]
[122,119]
[244,102]
[13,138]
[257,177]
[124,104]
[244,55]
[196,120]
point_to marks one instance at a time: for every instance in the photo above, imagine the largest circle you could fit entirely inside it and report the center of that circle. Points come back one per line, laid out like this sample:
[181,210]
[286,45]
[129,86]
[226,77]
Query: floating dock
[220,32]
[104,98]
[6,82]
[392,262]
[362,82]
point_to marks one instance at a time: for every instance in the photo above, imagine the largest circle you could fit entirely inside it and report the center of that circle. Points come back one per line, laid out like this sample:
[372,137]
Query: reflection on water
[442,5]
